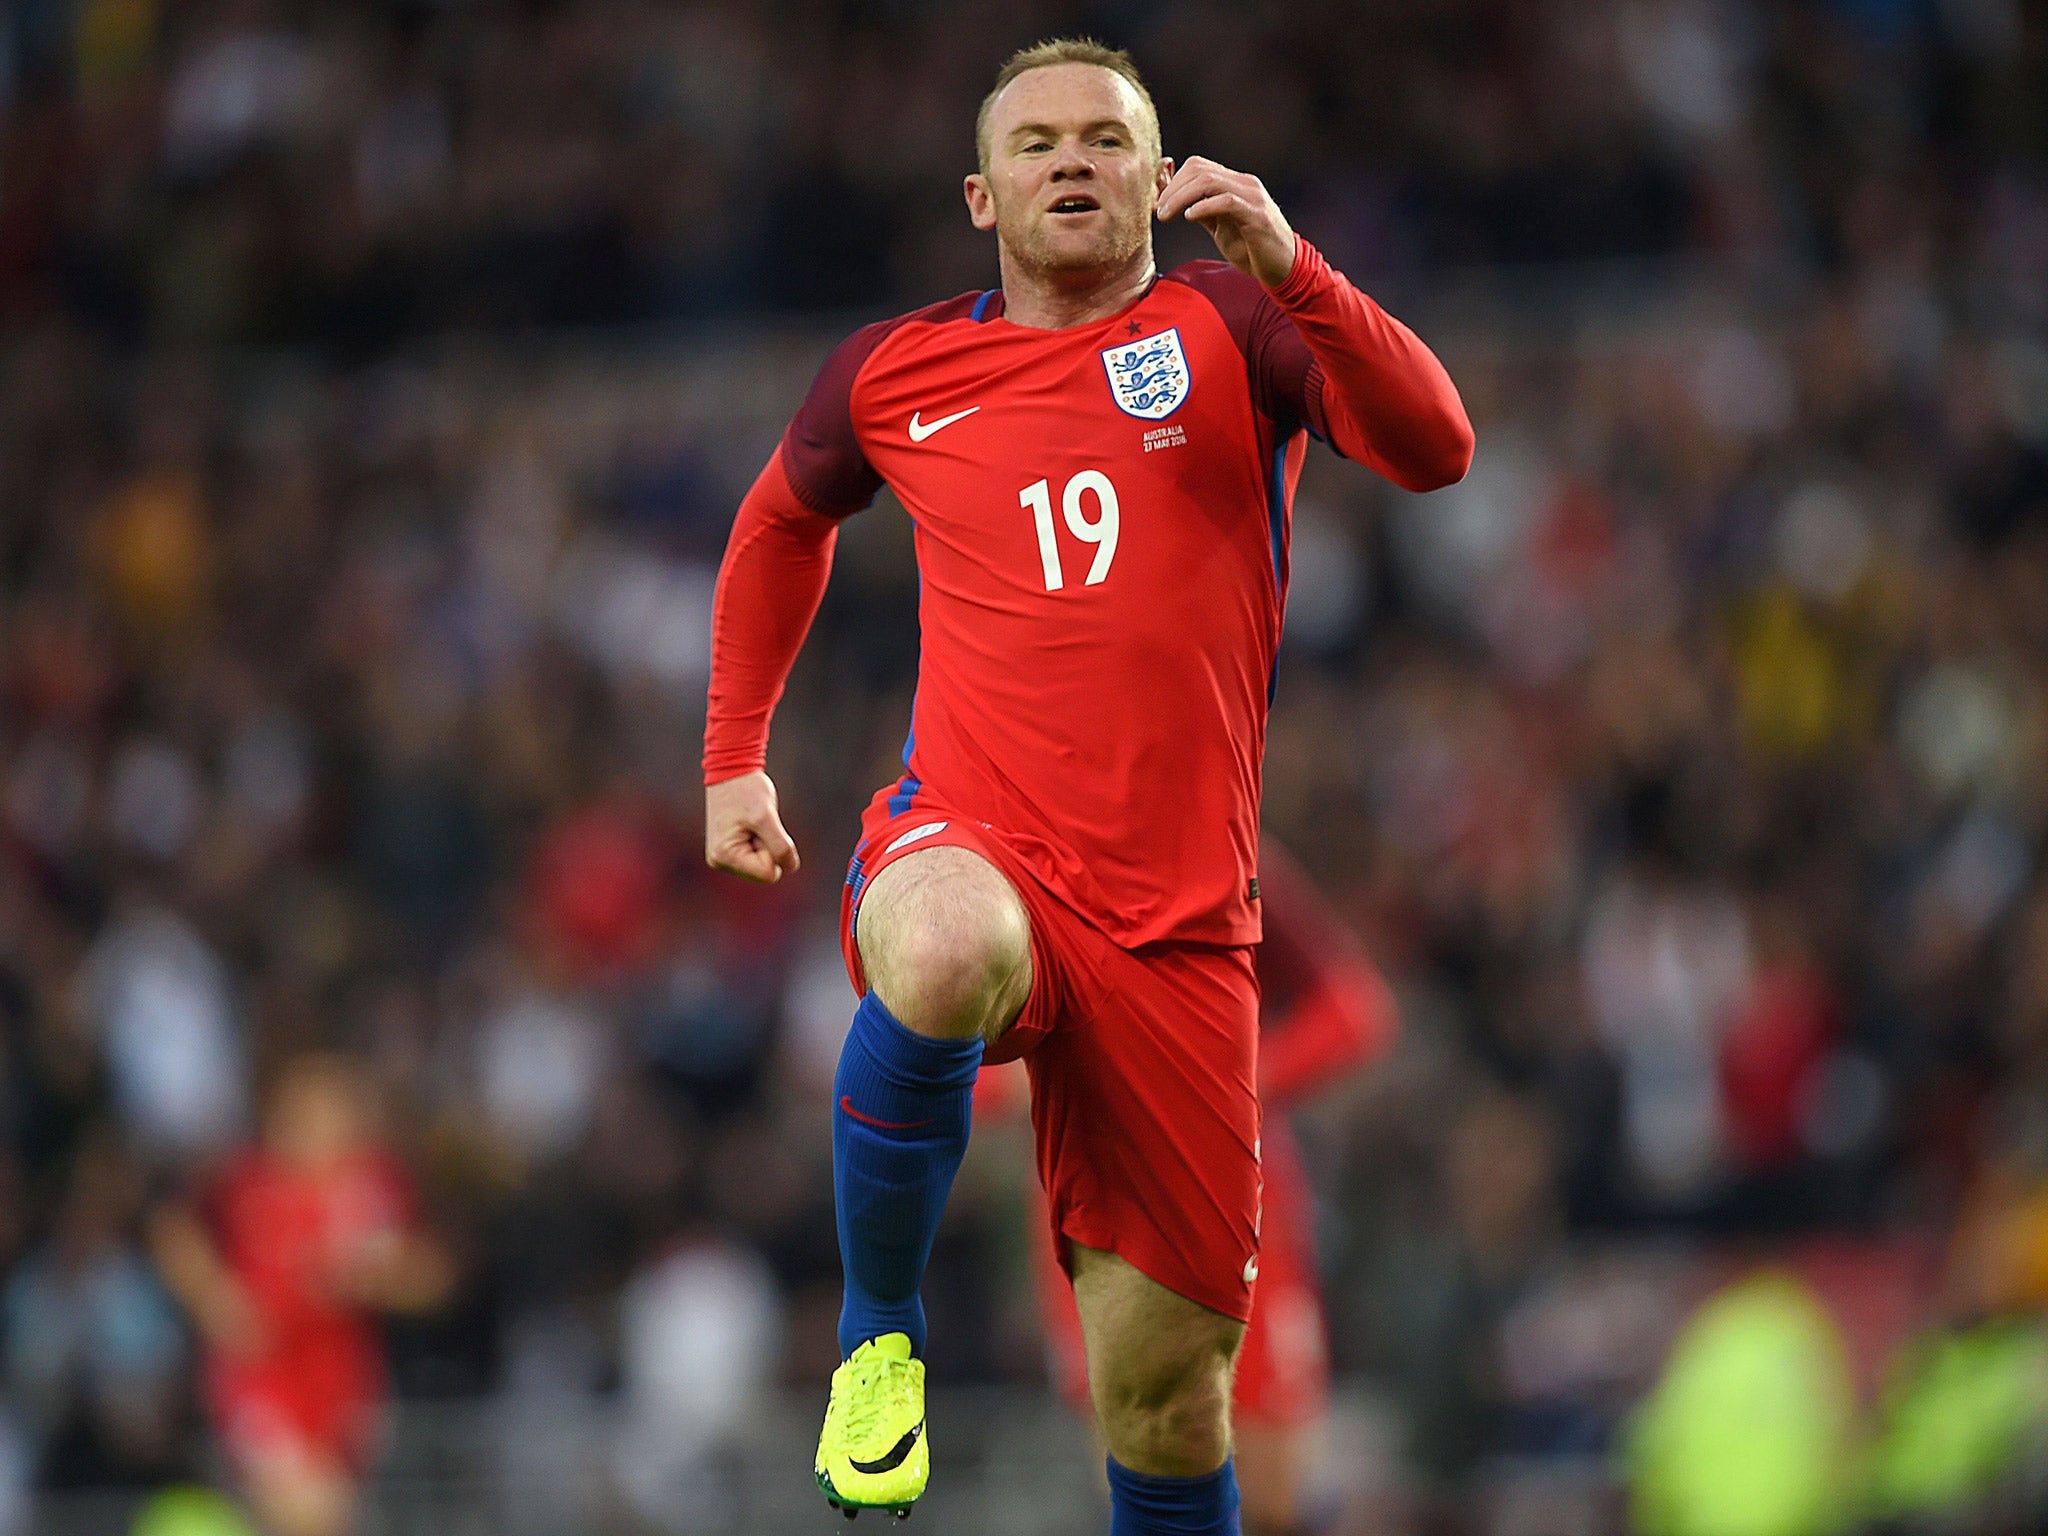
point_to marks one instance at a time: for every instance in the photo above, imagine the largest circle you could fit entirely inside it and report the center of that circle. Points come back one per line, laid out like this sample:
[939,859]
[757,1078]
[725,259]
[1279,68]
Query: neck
[1049,300]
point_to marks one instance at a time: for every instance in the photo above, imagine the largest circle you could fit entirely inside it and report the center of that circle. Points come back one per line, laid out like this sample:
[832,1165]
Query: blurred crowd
[348,174]
[374,398]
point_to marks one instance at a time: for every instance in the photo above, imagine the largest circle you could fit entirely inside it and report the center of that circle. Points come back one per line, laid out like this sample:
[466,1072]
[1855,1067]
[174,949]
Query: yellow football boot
[873,1453]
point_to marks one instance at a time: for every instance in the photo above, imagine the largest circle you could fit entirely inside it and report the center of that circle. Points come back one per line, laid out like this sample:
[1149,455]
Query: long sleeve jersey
[1101,516]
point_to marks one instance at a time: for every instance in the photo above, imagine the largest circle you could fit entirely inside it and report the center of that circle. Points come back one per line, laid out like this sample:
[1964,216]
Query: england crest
[1149,376]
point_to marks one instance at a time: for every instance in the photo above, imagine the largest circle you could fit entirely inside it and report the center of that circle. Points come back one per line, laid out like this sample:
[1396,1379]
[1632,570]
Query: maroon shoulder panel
[821,454]
[1275,356]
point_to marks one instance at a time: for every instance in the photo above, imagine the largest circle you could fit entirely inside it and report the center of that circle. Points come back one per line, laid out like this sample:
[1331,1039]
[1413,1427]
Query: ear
[1162,176]
[981,202]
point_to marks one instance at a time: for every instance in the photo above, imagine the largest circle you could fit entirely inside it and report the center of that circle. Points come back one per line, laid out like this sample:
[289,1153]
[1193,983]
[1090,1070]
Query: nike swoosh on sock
[846,1103]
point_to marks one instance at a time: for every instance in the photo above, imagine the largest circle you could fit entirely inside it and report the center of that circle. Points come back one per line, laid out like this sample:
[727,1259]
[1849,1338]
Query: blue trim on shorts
[856,882]
[906,790]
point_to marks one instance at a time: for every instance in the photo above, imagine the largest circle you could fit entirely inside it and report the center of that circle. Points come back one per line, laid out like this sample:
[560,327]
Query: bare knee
[946,944]
[1159,1367]
[1171,1427]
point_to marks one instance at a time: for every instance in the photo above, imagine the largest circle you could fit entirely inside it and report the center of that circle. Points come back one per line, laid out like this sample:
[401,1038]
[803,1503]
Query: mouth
[1073,205]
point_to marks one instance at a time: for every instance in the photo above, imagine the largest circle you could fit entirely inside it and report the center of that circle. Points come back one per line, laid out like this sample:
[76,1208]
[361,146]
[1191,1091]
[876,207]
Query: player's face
[315,1114]
[1073,172]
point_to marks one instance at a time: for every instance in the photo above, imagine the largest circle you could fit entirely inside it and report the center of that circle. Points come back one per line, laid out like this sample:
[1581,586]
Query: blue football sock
[900,1108]
[1172,1506]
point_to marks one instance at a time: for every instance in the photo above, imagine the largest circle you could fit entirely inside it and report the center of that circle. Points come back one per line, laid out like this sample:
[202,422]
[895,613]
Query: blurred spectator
[699,1336]
[1784,1089]
[94,1355]
[599,887]
[1667,963]
[540,1058]
[159,996]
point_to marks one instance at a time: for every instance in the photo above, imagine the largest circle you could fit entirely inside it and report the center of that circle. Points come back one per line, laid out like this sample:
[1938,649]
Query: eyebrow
[1046,130]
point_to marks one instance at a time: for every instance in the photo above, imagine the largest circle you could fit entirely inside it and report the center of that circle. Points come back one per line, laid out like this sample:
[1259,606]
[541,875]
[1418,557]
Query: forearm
[777,561]
[196,1274]
[412,1272]
[1385,399]
[185,1257]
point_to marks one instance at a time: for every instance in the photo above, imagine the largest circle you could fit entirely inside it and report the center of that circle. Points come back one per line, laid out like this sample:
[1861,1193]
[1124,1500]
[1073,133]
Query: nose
[1073,163]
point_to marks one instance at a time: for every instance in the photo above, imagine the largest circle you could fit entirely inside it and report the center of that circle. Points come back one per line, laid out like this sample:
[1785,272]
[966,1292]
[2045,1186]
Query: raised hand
[1239,214]
[743,831]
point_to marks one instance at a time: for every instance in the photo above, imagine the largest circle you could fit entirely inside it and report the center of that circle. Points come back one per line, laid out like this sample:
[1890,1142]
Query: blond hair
[1063,50]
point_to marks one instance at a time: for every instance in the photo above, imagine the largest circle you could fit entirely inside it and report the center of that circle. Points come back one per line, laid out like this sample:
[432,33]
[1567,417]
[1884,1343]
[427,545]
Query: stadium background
[376,384]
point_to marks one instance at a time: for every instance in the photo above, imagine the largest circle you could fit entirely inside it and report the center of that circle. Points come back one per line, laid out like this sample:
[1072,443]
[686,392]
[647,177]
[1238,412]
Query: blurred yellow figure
[1959,1419]
[188,1511]
[1748,1431]
[1966,1404]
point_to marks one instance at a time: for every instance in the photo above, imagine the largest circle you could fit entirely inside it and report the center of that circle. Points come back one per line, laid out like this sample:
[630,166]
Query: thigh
[1147,1121]
[302,1495]
[1145,1344]
[1066,1355]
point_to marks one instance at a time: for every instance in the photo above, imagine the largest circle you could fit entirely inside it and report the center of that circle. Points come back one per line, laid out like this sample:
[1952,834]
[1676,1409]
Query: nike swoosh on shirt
[920,430]
[846,1103]
[897,1452]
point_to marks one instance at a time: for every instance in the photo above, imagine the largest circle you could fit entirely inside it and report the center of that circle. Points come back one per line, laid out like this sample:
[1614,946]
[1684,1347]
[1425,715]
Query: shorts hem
[1235,1304]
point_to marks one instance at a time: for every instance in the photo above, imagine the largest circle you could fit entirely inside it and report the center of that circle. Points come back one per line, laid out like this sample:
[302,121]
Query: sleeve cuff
[1308,274]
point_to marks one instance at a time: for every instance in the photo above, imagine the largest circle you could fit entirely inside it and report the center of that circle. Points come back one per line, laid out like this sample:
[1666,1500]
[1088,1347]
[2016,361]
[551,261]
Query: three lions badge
[1148,377]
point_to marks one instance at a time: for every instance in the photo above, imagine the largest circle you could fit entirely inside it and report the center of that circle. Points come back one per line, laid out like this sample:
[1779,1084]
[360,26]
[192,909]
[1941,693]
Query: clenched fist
[743,831]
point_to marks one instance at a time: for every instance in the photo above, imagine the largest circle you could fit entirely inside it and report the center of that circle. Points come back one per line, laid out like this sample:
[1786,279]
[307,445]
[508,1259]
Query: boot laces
[882,1387]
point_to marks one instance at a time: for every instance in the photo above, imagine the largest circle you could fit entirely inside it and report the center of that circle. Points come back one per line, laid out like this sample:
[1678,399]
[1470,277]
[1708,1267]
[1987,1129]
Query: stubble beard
[1126,239]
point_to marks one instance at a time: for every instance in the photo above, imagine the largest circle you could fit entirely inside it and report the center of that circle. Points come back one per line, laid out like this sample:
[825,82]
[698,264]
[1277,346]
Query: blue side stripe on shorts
[856,881]
[906,789]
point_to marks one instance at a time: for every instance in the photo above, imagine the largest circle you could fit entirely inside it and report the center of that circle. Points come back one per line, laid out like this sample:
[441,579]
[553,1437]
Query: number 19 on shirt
[1101,532]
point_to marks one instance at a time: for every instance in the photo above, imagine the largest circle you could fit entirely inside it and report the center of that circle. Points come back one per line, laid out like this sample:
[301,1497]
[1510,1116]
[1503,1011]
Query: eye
[1109,141]
[1035,146]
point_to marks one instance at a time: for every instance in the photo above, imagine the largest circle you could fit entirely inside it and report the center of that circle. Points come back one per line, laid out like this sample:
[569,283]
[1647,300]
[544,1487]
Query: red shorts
[1283,1367]
[1144,1097]
[266,1411]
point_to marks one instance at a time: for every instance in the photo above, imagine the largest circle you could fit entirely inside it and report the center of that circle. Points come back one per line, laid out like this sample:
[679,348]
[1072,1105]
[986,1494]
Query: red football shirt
[284,1232]
[1101,517]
